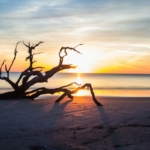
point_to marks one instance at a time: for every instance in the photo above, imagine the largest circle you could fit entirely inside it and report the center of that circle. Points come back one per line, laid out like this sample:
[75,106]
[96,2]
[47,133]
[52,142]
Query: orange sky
[92,60]
[115,34]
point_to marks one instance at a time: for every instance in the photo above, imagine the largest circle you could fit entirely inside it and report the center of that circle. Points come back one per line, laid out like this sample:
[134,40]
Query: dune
[123,123]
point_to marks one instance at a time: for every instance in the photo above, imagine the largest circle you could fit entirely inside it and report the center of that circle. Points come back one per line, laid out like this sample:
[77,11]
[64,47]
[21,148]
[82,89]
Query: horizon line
[93,73]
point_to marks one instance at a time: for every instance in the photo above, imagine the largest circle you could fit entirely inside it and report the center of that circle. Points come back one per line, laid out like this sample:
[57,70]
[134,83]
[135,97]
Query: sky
[115,33]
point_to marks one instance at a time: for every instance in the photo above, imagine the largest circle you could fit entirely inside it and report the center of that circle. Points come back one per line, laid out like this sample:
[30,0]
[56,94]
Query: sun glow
[82,61]
[79,81]
[82,93]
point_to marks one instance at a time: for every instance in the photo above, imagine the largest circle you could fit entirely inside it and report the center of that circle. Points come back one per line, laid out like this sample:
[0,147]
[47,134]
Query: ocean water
[103,84]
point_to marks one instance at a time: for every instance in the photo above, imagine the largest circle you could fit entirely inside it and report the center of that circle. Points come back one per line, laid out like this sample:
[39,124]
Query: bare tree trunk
[24,81]
[11,95]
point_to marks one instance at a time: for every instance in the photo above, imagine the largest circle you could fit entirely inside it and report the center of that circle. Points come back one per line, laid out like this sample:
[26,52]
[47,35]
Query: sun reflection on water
[100,90]
[82,93]
[80,81]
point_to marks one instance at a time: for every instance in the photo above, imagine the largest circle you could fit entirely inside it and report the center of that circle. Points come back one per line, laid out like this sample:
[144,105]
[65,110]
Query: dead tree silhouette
[24,82]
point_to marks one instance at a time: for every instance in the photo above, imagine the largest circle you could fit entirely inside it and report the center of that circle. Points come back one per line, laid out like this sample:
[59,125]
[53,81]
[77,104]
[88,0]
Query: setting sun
[82,61]
[74,74]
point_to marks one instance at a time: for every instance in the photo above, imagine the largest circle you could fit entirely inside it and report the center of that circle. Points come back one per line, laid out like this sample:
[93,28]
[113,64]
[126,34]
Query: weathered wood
[24,82]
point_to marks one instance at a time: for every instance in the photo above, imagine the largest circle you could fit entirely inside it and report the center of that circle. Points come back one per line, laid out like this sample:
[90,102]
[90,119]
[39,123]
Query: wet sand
[123,123]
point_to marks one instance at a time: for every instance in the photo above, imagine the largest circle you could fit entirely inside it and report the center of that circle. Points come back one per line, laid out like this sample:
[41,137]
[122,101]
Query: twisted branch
[1,69]
[40,91]
[31,54]
[31,62]
[61,58]
[21,91]
[54,70]
[14,86]
[70,85]
[15,54]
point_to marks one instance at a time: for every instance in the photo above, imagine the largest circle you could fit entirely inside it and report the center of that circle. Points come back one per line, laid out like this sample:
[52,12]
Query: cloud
[107,25]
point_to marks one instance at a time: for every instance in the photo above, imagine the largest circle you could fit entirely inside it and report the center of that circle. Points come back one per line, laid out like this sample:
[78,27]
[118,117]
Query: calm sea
[103,84]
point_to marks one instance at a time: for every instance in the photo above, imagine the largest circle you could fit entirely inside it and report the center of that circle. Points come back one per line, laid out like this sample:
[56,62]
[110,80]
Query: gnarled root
[69,93]
[66,92]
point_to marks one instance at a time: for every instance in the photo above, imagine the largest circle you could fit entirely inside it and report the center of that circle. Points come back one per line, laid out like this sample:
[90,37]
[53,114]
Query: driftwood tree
[33,75]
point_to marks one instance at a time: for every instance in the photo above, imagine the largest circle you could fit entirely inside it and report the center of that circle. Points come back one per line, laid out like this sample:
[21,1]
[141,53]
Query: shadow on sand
[112,134]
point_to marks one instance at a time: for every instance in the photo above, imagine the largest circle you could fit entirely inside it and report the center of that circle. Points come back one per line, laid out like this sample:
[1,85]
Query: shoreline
[122,123]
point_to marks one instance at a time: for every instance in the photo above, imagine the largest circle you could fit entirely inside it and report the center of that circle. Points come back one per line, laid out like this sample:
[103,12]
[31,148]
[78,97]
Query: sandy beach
[123,123]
